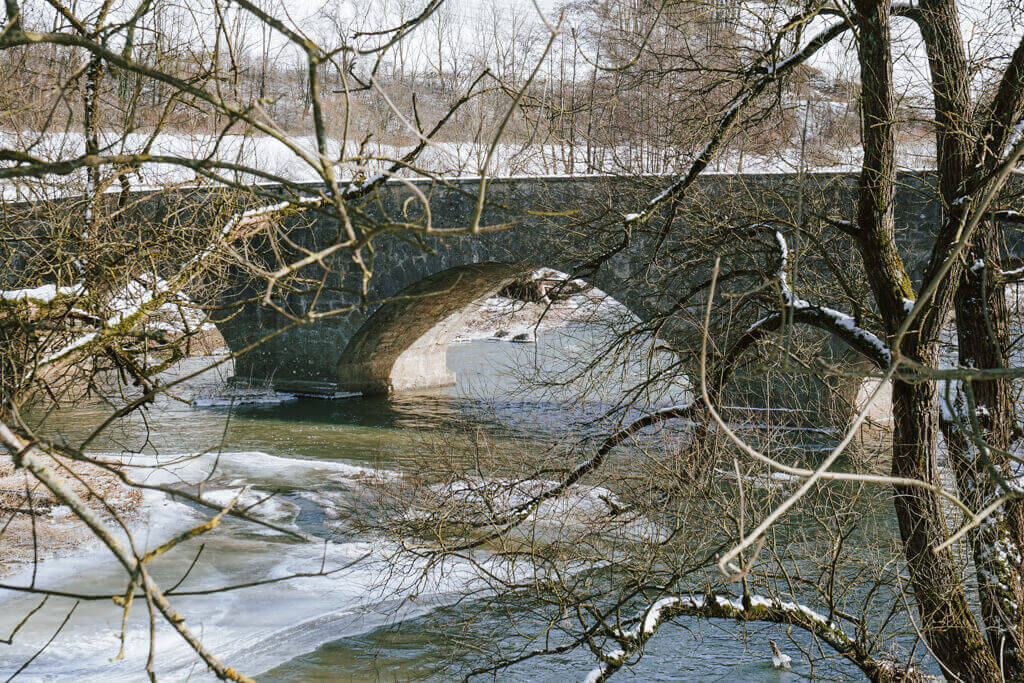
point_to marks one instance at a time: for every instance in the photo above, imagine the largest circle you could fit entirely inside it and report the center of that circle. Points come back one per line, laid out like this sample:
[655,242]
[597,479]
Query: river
[318,457]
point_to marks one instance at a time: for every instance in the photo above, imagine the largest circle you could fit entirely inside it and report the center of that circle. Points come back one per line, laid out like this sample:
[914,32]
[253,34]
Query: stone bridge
[397,341]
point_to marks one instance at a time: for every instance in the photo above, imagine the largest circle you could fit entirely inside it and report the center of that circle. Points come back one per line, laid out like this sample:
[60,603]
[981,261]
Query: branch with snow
[152,295]
[745,609]
[837,323]
[1012,275]
[44,294]
[1008,216]
[845,226]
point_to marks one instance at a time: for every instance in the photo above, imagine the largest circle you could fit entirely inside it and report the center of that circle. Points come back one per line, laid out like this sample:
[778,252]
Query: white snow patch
[43,293]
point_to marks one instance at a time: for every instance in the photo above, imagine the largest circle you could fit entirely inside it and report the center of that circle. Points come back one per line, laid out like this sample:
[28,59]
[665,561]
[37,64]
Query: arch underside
[403,345]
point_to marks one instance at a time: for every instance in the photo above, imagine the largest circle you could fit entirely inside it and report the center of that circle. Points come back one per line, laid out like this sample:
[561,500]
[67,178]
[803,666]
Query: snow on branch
[1011,275]
[148,296]
[1009,216]
[746,609]
[44,294]
[843,326]
[356,189]
[835,322]
[845,226]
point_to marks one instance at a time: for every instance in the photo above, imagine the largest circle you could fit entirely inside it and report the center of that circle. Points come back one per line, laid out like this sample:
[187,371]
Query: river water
[318,457]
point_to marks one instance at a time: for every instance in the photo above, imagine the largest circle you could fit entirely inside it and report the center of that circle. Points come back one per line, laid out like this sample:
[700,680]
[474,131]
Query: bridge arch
[403,345]
[400,344]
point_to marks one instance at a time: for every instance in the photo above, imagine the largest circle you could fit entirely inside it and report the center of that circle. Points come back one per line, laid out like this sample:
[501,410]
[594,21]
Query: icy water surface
[316,457]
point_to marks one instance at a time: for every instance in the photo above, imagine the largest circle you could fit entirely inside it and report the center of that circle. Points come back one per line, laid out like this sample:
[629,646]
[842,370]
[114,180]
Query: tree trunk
[982,336]
[946,619]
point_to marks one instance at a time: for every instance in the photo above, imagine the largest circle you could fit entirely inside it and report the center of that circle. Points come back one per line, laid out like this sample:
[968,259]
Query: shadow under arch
[402,346]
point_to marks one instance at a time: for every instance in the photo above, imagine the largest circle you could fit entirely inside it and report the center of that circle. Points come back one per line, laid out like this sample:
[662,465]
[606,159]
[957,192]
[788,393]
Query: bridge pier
[423,365]
[412,372]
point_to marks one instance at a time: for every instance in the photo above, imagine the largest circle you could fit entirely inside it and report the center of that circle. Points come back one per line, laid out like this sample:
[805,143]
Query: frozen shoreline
[281,620]
[502,319]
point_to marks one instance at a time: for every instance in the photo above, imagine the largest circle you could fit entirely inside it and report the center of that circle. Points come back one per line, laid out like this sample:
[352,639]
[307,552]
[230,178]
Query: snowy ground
[449,159]
[504,319]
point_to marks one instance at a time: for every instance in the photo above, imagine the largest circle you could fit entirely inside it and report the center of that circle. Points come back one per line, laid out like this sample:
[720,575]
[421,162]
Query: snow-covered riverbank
[504,319]
[38,527]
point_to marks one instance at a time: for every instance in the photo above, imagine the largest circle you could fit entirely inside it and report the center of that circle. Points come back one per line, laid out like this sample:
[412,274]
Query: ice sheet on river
[254,628]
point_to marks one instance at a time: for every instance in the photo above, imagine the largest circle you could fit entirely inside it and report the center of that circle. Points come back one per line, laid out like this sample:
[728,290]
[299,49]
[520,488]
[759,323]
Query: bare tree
[104,288]
[895,323]
[680,511]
